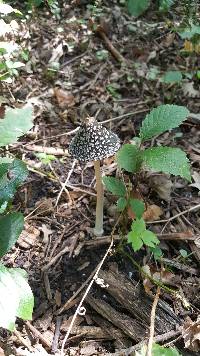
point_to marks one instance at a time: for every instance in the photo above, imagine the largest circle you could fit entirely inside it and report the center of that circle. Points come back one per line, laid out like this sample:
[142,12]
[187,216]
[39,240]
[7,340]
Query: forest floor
[57,248]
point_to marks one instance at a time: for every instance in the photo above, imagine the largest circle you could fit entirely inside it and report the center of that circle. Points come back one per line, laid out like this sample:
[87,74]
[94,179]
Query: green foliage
[167,160]
[137,7]
[174,76]
[11,226]
[121,204]
[12,176]
[139,235]
[161,119]
[16,298]
[132,158]
[128,158]
[137,206]
[190,31]
[164,5]
[115,186]
[158,350]
[45,158]
[15,124]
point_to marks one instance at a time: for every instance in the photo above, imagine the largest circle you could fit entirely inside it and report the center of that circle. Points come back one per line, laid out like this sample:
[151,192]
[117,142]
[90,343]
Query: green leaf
[115,186]
[11,226]
[15,124]
[173,76]
[149,238]
[189,32]
[11,176]
[168,160]
[135,240]
[128,158]
[134,237]
[139,235]
[137,7]
[158,350]
[137,206]
[164,5]
[161,119]
[16,298]
[121,204]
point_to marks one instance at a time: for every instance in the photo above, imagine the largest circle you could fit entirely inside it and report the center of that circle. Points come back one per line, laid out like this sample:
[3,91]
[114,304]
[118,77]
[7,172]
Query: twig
[159,338]
[116,54]
[56,334]
[124,115]
[55,258]
[45,342]
[89,287]
[64,185]
[48,150]
[22,340]
[152,325]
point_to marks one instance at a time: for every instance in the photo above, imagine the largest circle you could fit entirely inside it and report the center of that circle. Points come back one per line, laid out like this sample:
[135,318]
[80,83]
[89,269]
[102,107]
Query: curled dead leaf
[64,98]
[162,185]
[152,213]
[191,334]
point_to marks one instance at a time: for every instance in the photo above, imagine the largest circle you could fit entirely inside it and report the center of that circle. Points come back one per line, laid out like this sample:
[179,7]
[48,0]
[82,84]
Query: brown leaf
[191,334]
[65,99]
[152,213]
[162,185]
[28,236]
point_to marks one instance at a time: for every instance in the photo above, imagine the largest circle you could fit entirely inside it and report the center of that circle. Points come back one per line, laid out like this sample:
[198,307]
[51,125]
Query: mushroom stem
[98,230]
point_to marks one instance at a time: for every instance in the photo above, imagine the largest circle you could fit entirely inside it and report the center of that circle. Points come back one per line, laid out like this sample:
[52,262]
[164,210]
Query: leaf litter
[65,79]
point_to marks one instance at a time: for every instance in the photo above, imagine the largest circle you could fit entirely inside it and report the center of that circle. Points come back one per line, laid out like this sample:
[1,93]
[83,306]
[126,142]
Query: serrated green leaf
[149,238]
[137,206]
[135,240]
[16,298]
[121,204]
[11,226]
[115,186]
[15,124]
[161,119]
[137,7]
[167,160]
[128,158]
[11,176]
[189,32]
[173,76]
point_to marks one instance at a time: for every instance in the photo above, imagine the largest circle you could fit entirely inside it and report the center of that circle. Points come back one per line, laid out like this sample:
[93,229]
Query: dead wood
[129,326]
[132,297]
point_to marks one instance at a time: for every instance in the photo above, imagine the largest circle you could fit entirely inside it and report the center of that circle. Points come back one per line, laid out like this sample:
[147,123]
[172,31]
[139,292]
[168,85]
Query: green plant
[134,157]
[16,298]
[9,49]
[158,350]
[138,7]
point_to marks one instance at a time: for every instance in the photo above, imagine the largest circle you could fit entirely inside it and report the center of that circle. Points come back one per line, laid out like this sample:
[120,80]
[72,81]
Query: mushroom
[93,142]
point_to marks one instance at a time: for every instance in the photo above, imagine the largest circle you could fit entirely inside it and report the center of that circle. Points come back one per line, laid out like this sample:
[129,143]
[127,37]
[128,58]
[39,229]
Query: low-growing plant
[134,157]
[16,298]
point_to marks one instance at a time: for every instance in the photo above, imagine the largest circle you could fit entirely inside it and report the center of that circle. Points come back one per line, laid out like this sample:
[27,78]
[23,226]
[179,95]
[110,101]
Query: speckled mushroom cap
[93,142]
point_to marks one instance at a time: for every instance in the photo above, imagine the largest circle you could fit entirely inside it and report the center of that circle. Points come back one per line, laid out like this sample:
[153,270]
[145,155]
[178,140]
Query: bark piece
[132,297]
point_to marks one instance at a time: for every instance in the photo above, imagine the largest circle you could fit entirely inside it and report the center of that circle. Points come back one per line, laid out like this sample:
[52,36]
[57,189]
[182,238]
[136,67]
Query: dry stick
[64,185]
[174,217]
[152,325]
[89,287]
[22,340]
[48,150]
[124,115]
[116,54]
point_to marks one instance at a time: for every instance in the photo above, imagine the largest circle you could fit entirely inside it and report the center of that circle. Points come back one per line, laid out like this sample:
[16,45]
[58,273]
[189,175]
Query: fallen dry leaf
[65,99]
[196,178]
[28,236]
[189,90]
[162,185]
[152,213]
[191,334]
